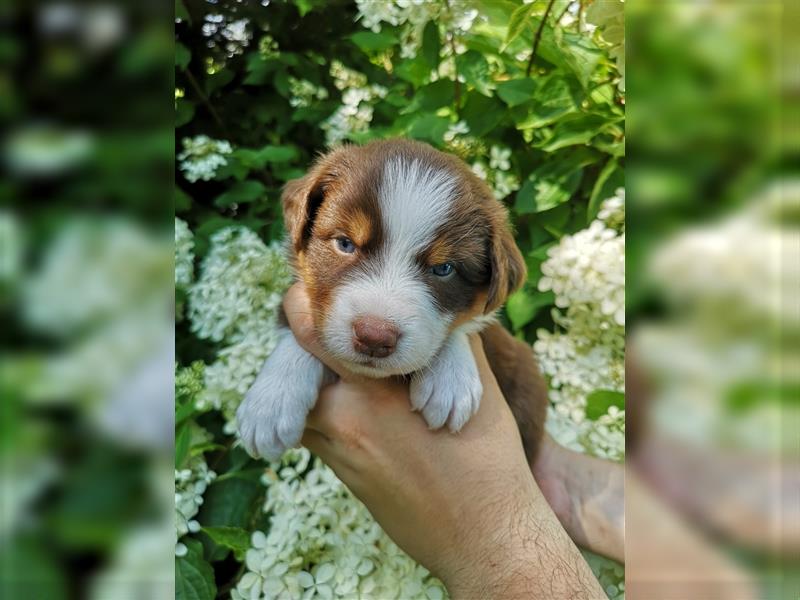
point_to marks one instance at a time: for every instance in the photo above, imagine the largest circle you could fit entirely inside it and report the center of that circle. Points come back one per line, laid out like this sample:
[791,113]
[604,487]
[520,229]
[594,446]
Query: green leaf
[194,577]
[517,23]
[182,442]
[472,65]
[415,71]
[608,181]
[181,12]
[598,403]
[551,184]
[370,41]
[429,127]
[523,305]
[241,192]
[432,96]
[431,45]
[218,80]
[517,91]
[303,6]
[553,99]
[182,56]
[230,503]
[183,201]
[184,112]
[482,114]
[234,538]
[573,130]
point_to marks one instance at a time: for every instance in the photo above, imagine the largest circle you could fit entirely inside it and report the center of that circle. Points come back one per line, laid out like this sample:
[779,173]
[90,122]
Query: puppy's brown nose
[374,337]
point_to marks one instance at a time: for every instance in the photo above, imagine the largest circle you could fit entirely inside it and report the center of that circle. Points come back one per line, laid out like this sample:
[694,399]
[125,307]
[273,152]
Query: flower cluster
[202,156]
[355,113]
[322,543]
[497,174]
[235,301]
[586,273]
[190,485]
[234,35]
[184,254]
[456,16]
[304,93]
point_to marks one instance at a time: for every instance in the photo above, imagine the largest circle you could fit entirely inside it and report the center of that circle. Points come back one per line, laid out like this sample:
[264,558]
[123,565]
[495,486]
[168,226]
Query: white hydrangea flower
[612,210]
[504,184]
[499,158]
[323,543]
[456,129]
[240,286]
[304,93]
[190,485]
[184,254]
[355,113]
[456,16]
[202,156]
[480,170]
[586,272]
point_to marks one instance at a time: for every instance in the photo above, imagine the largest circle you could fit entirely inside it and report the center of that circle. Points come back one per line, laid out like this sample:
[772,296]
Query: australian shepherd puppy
[404,252]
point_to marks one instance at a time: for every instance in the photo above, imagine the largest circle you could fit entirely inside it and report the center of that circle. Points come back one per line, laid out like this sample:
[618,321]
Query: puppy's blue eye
[442,270]
[345,245]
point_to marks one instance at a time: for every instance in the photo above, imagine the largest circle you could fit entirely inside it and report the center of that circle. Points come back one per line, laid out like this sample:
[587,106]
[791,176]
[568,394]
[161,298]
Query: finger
[316,442]
[297,307]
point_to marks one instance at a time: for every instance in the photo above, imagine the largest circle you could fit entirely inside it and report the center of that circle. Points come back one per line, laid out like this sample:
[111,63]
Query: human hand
[464,505]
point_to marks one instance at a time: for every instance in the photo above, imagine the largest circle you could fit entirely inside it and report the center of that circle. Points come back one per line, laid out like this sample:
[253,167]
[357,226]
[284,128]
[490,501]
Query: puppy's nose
[374,337]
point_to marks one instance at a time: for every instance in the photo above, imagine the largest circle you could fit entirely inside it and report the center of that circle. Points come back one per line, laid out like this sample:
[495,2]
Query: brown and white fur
[371,229]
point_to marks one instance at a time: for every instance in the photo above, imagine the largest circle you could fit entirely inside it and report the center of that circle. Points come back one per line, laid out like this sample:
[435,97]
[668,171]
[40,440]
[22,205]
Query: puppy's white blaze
[415,201]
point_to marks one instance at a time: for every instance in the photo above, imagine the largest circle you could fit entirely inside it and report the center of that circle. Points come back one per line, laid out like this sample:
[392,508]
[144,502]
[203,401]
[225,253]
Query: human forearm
[587,496]
[530,556]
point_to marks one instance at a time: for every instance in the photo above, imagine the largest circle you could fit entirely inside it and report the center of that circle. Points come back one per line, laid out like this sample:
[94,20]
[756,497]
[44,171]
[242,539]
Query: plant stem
[451,37]
[204,99]
[565,11]
[538,37]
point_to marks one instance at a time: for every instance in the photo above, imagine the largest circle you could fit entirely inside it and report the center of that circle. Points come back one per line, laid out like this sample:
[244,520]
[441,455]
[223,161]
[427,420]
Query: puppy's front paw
[449,391]
[272,419]
[272,416]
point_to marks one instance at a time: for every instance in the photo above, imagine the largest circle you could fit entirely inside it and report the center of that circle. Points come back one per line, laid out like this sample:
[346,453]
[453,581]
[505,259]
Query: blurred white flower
[184,254]
[304,93]
[498,158]
[202,156]
[456,129]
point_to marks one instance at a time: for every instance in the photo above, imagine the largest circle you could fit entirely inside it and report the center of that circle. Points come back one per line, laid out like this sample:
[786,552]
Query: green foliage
[194,577]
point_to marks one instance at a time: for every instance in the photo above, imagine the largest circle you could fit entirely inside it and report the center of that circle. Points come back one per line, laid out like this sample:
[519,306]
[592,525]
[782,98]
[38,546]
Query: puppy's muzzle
[374,337]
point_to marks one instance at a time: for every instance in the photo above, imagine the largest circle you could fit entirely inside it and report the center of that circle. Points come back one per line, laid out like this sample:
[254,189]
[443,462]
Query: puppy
[404,253]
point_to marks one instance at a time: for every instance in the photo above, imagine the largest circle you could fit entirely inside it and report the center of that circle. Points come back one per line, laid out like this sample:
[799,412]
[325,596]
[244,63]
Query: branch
[452,39]
[206,101]
[564,12]
[538,37]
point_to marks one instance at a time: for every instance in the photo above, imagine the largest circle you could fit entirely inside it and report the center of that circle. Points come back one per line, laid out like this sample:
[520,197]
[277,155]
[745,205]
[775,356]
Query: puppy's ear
[301,200]
[507,265]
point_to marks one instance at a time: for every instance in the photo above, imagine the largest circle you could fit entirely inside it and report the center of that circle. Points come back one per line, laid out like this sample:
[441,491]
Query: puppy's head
[398,245]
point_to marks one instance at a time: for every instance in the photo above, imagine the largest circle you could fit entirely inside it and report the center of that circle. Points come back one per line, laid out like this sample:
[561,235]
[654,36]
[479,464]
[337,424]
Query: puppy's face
[398,244]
